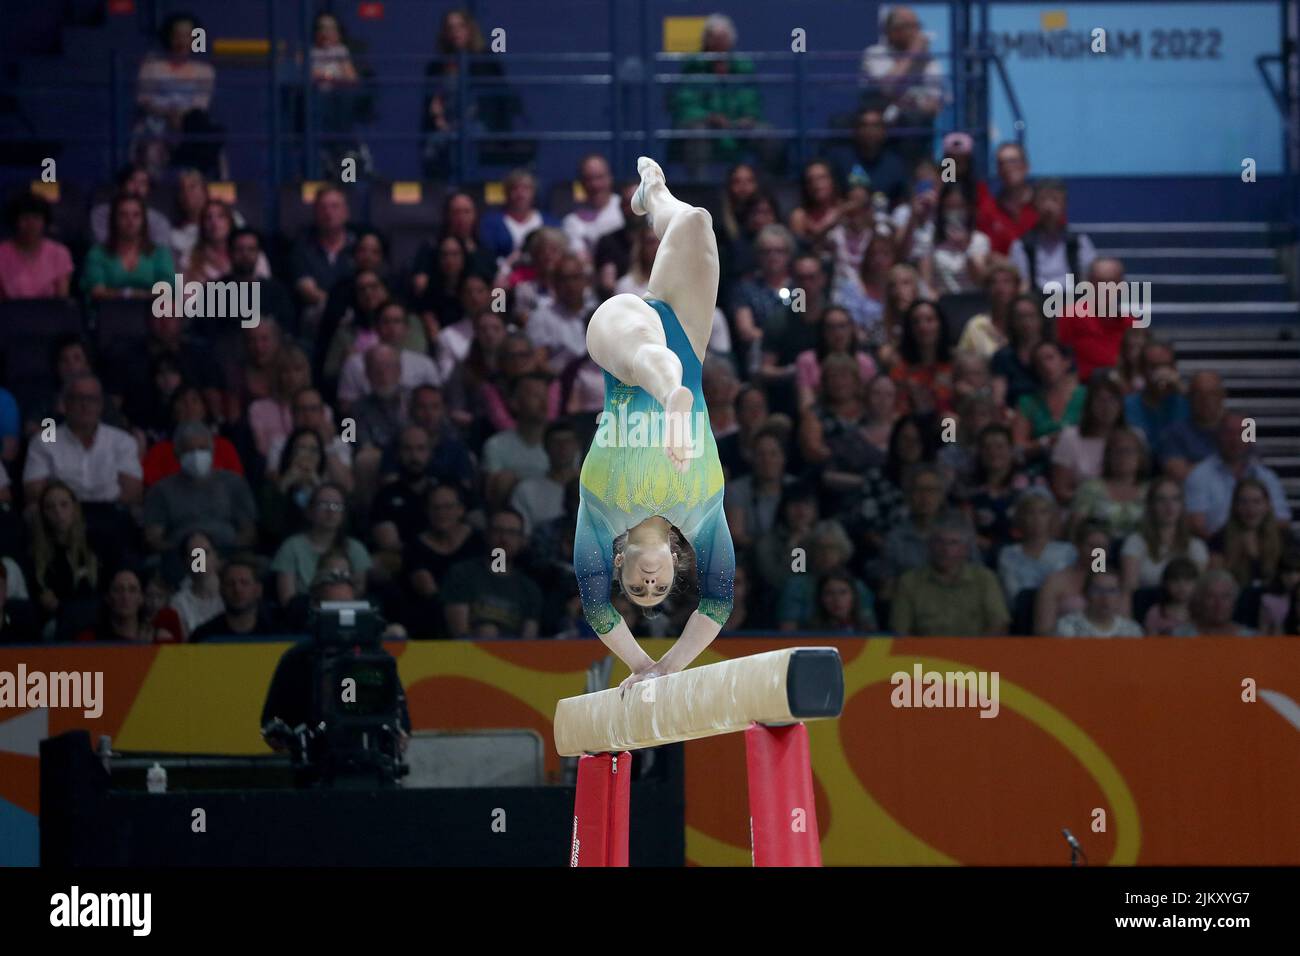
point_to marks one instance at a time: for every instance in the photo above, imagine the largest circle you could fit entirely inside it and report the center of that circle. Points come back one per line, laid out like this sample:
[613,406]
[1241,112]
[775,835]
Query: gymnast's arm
[593,562]
[715,562]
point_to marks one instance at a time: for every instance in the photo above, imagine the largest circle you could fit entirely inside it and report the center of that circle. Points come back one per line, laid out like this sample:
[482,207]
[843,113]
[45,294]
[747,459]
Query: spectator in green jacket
[699,104]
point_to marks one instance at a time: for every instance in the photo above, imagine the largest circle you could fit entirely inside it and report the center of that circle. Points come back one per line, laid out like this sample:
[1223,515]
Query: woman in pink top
[836,337]
[32,266]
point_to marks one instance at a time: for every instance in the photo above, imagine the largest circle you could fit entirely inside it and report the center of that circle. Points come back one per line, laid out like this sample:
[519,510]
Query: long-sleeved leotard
[627,478]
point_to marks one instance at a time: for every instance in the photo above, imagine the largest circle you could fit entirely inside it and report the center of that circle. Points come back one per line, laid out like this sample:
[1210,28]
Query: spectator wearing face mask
[219,503]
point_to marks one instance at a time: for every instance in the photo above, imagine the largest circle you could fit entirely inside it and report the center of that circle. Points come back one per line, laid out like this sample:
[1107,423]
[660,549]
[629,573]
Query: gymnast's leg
[685,273]
[626,338]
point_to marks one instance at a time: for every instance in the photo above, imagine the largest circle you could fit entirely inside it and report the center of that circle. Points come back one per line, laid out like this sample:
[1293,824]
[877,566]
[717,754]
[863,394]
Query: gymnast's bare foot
[651,174]
[678,440]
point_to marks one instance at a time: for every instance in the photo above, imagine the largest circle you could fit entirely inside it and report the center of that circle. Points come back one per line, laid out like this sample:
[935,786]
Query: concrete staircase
[1219,296]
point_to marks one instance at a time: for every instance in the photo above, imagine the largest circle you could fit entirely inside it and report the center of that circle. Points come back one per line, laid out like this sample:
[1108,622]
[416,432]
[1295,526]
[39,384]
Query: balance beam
[768,696]
[779,687]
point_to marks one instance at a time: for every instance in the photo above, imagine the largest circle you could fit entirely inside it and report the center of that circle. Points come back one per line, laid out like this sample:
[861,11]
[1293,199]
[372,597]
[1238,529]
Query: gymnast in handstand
[652,484]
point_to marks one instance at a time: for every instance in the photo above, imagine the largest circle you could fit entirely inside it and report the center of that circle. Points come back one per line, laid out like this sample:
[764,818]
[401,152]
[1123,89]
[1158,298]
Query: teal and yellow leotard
[627,478]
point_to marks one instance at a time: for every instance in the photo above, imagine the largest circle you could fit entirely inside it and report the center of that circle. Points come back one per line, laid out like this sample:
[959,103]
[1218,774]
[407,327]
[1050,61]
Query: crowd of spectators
[416,428]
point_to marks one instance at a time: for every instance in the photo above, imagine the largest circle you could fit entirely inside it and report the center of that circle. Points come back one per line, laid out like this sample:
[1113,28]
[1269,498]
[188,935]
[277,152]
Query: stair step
[1207,333]
[1210,348]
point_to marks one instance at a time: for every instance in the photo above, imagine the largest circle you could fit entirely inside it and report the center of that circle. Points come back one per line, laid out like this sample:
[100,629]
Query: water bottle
[156,779]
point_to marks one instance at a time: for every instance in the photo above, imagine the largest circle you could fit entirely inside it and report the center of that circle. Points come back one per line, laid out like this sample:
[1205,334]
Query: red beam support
[600,810]
[782,811]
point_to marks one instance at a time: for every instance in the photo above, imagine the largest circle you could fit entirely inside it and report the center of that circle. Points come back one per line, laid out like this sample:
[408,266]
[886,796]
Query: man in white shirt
[541,498]
[100,463]
[599,214]
[1210,484]
[559,324]
[903,75]
[417,369]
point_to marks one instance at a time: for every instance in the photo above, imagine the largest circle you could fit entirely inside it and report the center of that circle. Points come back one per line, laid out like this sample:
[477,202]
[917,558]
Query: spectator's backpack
[1030,243]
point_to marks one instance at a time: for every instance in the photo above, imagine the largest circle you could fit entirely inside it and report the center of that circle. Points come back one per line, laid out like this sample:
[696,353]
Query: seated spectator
[357,327]
[191,197]
[209,259]
[743,586]
[959,459]
[1278,602]
[398,509]
[1250,544]
[876,165]
[612,257]
[599,213]
[924,368]
[991,497]
[795,331]
[160,461]
[450,345]
[250,373]
[831,437]
[1162,536]
[173,94]
[828,550]
[248,263]
[308,410]
[972,379]
[66,569]
[1058,401]
[511,456]
[1026,564]
[838,608]
[296,562]
[1078,452]
[950,594]
[1095,338]
[449,459]
[1188,442]
[382,411]
[429,555]
[243,613]
[129,263]
[33,266]
[986,333]
[901,74]
[130,367]
[1174,608]
[489,596]
[559,325]
[70,357]
[99,463]
[820,208]
[882,410]
[1010,214]
[751,500]
[124,617]
[1101,615]
[492,106]
[271,418]
[717,107]
[914,220]
[958,261]
[1116,499]
[635,280]
[540,498]
[739,255]
[323,254]
[1211,484]
[796,514]
[881,504]
[219,503]
[286,489]
[1127,372]
[392,329]
[847,241]
[740,188]
[132,180]
[760,300]
[198,599]
[464,387]
[907,542]
[503,230]
[1048,252]
[533,277]
[1014,362]
[1213,604]
[1062,591]
[1160,404]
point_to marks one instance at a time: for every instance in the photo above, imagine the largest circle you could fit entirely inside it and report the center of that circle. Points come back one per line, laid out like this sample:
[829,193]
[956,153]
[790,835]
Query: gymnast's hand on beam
[636,677]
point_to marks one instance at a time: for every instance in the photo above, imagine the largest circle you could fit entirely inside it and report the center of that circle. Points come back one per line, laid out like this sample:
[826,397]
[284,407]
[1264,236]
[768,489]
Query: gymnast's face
[647,572]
